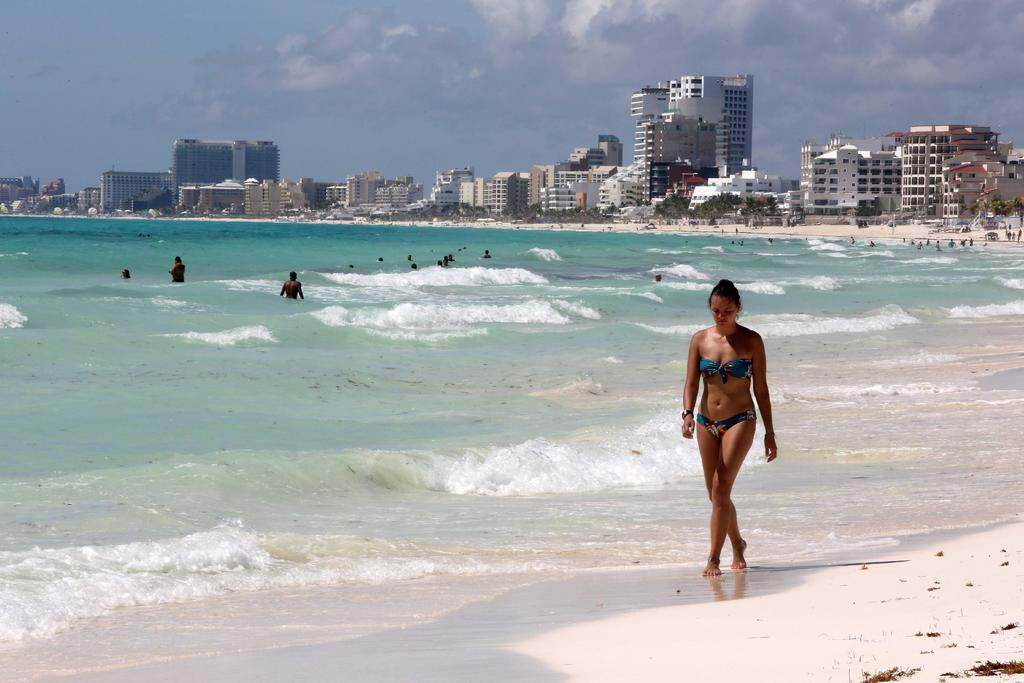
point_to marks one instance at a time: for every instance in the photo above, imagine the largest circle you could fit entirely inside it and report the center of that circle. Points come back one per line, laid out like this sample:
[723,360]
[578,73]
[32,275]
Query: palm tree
[1017,205]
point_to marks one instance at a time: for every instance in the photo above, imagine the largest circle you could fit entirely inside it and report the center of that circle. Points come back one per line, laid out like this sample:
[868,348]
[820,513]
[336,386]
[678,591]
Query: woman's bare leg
[711,459]
[734,446]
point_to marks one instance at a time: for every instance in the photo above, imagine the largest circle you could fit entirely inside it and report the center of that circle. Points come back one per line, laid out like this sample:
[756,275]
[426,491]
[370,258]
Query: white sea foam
[919,358]
[761,288]
[989,311]
[818,245]
[877,390]
[652,454]
[229,337]
[688,286]
[45,591]
[835,254]
[930,259]
[878,252]
[267,286]
[1012,283]
[17,253]
[821,282]
[436,276]
[413,318]
[577,308]
[613,360]
[648,295]
[714,248]
[161,302]
[11,317]
[656,250]
[681,270]
[800,324]
[545,254]
[673,330]
[773,253]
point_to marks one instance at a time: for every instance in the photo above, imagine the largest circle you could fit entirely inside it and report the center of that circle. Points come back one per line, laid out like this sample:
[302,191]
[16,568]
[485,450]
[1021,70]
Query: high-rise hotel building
[725,100]
[212,161]
[924,151]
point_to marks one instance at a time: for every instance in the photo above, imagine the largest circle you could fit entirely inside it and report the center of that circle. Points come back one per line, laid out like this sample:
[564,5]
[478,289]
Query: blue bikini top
[740,368]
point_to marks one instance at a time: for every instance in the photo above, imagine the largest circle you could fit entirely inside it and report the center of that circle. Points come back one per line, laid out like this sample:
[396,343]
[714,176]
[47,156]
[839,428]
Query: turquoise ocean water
[519,415]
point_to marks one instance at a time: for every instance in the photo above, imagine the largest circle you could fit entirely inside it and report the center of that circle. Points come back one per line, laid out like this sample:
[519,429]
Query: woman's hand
[771,451]
[688,427]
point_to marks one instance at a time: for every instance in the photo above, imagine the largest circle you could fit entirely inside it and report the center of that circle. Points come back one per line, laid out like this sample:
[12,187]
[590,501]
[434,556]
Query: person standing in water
[177,270]
[292,288]
[731,359]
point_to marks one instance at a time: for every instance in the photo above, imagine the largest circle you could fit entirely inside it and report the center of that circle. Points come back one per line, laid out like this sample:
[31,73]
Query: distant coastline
[908,231]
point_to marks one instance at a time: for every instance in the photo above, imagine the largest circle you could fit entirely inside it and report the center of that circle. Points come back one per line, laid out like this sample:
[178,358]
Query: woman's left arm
[764,399]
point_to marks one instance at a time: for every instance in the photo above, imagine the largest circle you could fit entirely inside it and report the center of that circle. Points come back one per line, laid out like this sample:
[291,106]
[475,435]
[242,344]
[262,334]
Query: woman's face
[724,310]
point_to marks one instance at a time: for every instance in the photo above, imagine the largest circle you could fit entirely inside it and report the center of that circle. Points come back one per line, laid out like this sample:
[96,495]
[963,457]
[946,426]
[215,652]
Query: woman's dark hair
[727,290]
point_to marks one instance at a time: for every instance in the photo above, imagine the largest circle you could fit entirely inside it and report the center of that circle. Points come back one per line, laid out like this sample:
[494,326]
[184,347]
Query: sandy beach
[941,609]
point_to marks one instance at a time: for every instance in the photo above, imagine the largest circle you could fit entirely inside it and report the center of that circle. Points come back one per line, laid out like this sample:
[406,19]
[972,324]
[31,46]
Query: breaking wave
[436,276]
[545,254]
[229,337]
[11,317]
[989,311]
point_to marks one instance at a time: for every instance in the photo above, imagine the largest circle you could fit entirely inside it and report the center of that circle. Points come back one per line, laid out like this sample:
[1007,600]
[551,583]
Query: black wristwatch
[687,412]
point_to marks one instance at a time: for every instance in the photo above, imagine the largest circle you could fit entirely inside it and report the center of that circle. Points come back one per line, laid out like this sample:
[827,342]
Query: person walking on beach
[177,270]
[731,359]
[292,288]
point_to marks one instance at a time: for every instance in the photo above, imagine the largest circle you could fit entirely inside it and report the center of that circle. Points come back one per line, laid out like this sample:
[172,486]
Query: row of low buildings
[939,171]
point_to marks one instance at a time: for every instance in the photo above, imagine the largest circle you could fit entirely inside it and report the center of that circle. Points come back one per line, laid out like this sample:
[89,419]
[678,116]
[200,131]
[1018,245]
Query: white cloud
[401,30]
[514,19]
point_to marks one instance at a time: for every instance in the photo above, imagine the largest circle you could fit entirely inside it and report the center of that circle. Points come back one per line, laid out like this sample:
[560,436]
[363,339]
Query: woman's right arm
[690,385]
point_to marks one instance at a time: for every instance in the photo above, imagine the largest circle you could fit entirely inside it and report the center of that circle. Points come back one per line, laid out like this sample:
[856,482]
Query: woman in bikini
[731,358]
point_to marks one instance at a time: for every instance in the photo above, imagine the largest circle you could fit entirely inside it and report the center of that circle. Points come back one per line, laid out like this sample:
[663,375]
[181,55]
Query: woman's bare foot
[712,568]
[739,563]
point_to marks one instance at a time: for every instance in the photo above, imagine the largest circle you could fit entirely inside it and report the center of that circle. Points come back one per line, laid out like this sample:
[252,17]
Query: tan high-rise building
[926,149]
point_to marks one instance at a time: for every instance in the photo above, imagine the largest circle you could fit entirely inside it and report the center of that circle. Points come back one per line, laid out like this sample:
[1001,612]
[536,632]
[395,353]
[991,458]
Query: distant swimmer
[871,243]
[292,288]
[443,264]
[177,271]
[414,266]
[486,254]
[380,259]
[657,278]
[409,257]
[125,275]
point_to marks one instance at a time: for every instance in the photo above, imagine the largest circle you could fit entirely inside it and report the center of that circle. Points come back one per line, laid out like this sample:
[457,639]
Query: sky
[410,87]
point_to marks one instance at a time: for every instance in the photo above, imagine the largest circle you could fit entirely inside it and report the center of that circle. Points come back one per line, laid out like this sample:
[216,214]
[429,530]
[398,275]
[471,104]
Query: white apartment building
[749,183]
[89,198]
[398,195]
[725,100]
[926,149]
[118,188]
[581,195]
[335,195]
[628,187]
[447,185]
[646,104]
[847,173]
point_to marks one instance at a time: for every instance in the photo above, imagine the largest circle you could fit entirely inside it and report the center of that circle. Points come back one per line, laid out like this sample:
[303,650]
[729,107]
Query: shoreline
[935,610]
[908,231]
[573,628]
